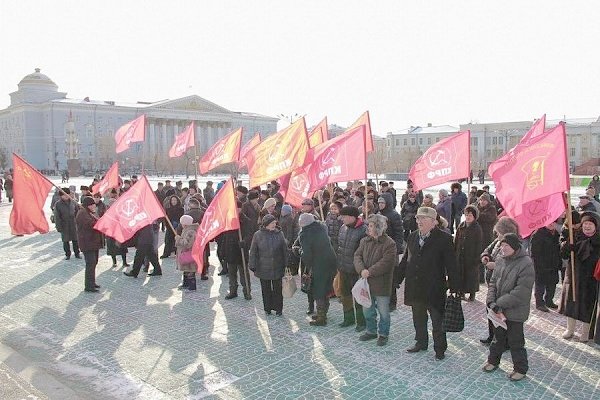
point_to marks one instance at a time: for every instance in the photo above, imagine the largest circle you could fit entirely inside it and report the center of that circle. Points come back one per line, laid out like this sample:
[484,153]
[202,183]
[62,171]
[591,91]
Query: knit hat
[253,194]
[512,240]
[87,201]
[589,217]
[286,209]
[485,196]
[351,211]
[186,220]
[269,203]
[267,219]
[305,219]
[193,203]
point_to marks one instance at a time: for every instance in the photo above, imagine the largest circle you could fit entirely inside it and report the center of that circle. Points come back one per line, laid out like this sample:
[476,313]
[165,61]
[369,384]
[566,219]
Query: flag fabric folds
[183,141]
[30,191]
[220,216]
[133,131]
[365,120]
[297,187]
[135,209]
[278,154]
[539,213]
[246,148]
[110,180]
[446,160]
[224,151]
[319,134]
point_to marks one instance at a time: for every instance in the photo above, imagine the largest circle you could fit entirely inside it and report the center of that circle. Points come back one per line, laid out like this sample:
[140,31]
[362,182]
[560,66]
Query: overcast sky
[407,62]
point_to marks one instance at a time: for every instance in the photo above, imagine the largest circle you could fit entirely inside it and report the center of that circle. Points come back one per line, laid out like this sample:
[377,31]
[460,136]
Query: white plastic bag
[288,285]
[361,293]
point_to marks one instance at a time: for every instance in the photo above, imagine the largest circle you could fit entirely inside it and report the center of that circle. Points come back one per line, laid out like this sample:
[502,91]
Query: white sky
[407,62]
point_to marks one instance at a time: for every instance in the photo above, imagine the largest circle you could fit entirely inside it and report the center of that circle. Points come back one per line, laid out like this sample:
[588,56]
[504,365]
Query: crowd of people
[457,243]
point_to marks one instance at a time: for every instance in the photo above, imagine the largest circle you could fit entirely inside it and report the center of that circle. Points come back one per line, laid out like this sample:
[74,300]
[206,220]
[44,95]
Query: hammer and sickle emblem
[329,156]
[129,207]
[298,183]
[439,158]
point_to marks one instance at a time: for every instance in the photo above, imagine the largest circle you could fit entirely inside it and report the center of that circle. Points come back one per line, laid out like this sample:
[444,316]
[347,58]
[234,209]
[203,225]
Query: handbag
[288,285]
[597,270]
[454,319]
[185,257]
[306,283]
[362,293]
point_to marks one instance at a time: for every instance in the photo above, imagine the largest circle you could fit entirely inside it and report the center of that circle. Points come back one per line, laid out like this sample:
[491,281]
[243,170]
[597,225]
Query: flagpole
[244,266]
[321,204]
[570,217]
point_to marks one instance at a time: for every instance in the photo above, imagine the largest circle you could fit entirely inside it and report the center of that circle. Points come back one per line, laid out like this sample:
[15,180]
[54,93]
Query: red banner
[298,187]
[278,154]
[539,213]
[224,151]
[30,191]
[183,141]
[110,180]
[319,134]
[446,160]
[365,120]
[135,209]
[247,147]
[133,131]
[220,216]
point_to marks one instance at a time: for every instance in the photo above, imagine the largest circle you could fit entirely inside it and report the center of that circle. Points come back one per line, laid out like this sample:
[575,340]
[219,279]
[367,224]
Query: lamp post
[290,118]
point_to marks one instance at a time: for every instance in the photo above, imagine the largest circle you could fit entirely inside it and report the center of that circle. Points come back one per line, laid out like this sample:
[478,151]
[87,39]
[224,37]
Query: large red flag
[447,160]
[220,216]
[319,134]
[224,151]
[246,148]
[30,191]
[135,209]
[133,131]
[278,155]
[110,180]
[536,169]
[297,187]
[536,129]
[539,213]
[183,141]
[365,120]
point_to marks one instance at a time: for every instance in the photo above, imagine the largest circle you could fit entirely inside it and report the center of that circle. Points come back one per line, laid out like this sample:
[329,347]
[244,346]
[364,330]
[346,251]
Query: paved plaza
[143,339]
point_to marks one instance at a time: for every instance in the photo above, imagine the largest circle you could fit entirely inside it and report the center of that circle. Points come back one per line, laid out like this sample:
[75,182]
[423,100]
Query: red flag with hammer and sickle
[133,131]
[110,180]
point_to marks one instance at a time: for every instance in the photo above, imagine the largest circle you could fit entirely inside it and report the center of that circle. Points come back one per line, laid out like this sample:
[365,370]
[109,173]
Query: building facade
[46,128]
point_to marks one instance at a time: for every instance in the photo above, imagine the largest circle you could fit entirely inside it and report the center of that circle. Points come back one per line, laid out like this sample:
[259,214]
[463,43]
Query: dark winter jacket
[545,252]
[253,214]
[468,247]
[87,237]
[425,269]
[64,217]
[290,230]
[408,214]
[268,254]
[487,219]
[174,212]
[316,252]
[145,236]
[394,223]
[511,284]
[378,256]
[334,223]
[444,208]
[348,242]
[230,247]
[459,202]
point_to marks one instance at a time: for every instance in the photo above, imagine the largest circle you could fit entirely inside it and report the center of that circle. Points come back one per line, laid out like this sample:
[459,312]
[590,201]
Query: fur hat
[380,223]
[350,211]
[427,212]
[270,202]
[305,219]
[267,219]
[286,209]
[84,188]
[589,217]
[472,210]
[485,196]
[506,225]
[242,189]
[512,240]
[186,220]
[253,194]
[87,201]
[308,202]
[193,203]
[66,191]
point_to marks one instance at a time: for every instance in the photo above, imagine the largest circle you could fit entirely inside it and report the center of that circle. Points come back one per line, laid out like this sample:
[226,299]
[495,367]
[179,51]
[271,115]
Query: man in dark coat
[209,192]
[144,243]
[545,252]
[353,230]
[64,217]
[394,230]
[90,241]
[235,263]
[429,258]
[251,209]
[316,252]
[468,247]
[459,202]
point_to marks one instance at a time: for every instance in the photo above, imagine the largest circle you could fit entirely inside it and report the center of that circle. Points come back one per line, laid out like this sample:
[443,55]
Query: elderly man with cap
[585,204]
[509,296]
[316,252]
[308,206]
[428,260]
[64,217]
[90,241]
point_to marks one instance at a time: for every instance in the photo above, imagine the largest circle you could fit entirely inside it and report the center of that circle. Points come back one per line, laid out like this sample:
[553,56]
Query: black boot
[232,294]
[321,319]
[184,283]
[191,283]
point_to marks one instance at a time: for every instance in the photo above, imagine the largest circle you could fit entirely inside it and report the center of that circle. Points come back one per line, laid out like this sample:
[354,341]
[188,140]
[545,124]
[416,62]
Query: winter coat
[409,213]
[209,194]
[184,242]
[318,256]
[253,214]
[229,244]
[88,238]
[334,223]
[459,202]
[425,269]
[197,214]
[145,236]
[174,212]
[394,223]
[64,217]
[100,209]
[595,183]
[444,208]
[348,242]
[492,251]
[487,220]
[545,252]
[468,247]
[290,230]
[587,253]
[511,285]
[268,254]
[378,256]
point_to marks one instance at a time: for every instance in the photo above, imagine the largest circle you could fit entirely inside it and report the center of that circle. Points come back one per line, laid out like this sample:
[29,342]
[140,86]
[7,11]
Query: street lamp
[290,118]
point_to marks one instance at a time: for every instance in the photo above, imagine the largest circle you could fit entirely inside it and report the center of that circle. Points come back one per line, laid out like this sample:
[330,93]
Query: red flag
[220,216]
[319,134]
[446,160]
[30,191]
[183,141]
[536,129]
[247,147]
[536,168]
[278,155]
[135,209]
[110,180]
[298,187]
[366,121]
[539,213]
[224,151]
[133,131]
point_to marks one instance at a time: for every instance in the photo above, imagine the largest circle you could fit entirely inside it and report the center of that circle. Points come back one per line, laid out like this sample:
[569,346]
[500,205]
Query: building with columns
[46,128]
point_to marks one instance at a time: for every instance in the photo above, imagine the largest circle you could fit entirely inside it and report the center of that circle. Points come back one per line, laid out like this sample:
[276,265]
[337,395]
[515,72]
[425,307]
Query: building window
[572,152]
[388,142]
[494,140]
[500,140]
[397,142]
[429,141]
[405,142]
[474,141]
[412,141]
[420,141]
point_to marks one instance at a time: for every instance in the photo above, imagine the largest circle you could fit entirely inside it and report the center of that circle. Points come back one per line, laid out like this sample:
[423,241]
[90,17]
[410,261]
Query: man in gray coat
[509,296]
[64,217]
